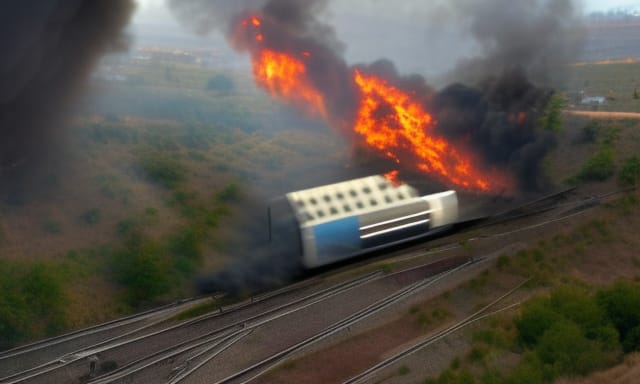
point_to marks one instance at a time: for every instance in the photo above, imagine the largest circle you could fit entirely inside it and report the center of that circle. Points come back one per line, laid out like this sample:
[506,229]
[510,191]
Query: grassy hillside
[144,196]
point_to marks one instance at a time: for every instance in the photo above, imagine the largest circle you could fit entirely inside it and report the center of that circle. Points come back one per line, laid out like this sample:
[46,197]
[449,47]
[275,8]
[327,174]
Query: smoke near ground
[49,48]
[496,97]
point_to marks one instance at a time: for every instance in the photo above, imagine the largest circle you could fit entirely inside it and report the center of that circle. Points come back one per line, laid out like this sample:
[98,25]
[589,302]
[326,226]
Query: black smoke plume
[48,50]
[496,98]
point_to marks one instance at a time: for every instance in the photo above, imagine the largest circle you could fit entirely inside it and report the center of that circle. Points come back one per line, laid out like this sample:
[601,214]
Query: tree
[630,173]
[622,305]
[551,120]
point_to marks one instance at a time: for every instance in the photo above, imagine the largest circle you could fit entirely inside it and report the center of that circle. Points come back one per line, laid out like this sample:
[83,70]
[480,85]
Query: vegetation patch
[571,332]
[630,172]
[197,310]
[32,301]
[552,119]
[163,169]
[599,167]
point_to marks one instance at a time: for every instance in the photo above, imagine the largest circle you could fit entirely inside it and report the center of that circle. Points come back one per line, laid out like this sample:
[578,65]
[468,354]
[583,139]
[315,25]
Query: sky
[359,29]
[156,11]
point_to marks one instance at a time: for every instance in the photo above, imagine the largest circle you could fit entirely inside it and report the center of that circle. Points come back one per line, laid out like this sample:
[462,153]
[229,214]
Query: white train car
[339,221]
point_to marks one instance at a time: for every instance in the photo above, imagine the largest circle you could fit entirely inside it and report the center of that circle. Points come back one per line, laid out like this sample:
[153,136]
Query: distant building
[591,100]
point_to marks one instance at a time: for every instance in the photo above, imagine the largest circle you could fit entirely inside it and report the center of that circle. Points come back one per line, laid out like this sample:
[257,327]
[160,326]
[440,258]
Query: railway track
[260,367]
[45,353]
[179,351]
[78,361]
[482,313]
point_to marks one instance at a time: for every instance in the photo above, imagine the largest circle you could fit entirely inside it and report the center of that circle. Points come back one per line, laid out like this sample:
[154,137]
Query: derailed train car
[332,223]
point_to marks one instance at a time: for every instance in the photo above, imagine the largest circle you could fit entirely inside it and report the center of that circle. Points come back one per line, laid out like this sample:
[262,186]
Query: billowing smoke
[537,38]
[48,50]
[495,102]
[496,98]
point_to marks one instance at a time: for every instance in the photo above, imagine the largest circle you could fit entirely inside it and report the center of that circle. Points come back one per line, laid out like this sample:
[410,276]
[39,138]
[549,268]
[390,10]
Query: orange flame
[394,178]
[387,118]
[286,77]
[406,127]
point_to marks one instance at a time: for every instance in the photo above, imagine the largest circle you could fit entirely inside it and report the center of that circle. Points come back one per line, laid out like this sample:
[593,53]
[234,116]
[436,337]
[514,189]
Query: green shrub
[630,173]
[404,370]
[32,302]
[564,350]
[621,303]
[164,170]
[536,318]
[229,194]
[591,131]
[143,269]
[599,167]
[185,249]
[197,310]
[552,118]
[491,337]
[503,262]
[529,371]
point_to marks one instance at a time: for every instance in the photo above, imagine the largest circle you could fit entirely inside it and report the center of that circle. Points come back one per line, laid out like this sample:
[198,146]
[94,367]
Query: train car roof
[348,198]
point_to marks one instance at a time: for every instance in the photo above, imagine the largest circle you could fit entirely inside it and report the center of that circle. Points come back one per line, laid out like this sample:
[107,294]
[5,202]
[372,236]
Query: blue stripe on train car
[337,239]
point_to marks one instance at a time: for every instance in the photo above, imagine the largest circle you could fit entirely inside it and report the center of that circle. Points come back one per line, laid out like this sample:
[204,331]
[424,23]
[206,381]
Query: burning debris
[48,50]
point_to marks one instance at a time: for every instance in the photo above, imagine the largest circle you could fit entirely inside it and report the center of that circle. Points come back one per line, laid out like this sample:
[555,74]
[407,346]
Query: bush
[32,302]
[622,305]
[591,131]
[185,249]
[451,377]
[564,350]
[599,167]
[143,269]
[630,173]
[229,194]
[536,318]
[166,171]
[567,333]
[552,117]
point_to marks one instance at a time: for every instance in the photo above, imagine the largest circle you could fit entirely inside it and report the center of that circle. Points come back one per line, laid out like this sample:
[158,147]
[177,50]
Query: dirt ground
[626,373]
[605,115]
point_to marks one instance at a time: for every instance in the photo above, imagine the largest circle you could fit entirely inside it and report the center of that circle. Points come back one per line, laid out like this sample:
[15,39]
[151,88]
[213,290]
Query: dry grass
[626,373]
